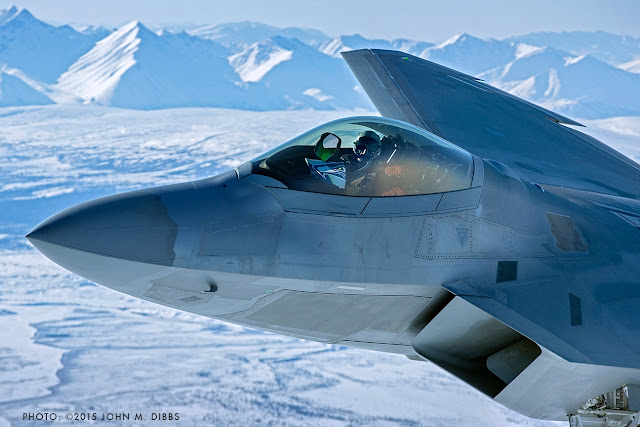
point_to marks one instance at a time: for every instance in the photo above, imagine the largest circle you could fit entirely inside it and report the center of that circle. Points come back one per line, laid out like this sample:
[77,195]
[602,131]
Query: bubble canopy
[367,156]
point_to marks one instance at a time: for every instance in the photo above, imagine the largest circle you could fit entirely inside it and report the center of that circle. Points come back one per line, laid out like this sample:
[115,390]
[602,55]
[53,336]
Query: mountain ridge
[250,65]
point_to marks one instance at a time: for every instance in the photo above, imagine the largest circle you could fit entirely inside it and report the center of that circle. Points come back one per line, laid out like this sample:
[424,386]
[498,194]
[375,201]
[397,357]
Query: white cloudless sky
[416,19]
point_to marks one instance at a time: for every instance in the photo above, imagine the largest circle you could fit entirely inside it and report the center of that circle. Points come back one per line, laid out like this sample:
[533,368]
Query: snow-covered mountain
[287,73]
[97,31]
[470,54]
[334,46]
[41,50]
[610,48]
[134,67]
[632,66]
[255,66]
[557,80]
[15,91]
[246,33]
[253,62]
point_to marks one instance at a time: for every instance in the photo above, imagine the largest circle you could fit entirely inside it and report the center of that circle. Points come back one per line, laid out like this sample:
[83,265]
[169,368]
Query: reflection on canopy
[368,156]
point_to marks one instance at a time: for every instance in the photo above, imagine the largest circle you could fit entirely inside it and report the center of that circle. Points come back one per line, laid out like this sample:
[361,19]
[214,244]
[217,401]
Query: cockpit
[367,156]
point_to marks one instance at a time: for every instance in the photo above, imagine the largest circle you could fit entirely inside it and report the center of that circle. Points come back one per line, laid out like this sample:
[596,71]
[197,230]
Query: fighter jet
[466,227]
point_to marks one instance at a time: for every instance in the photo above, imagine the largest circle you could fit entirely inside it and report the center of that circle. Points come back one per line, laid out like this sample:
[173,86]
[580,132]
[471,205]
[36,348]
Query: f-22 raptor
[466,227]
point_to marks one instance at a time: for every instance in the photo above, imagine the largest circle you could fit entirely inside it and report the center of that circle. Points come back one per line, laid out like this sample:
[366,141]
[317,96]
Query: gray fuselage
[551,264]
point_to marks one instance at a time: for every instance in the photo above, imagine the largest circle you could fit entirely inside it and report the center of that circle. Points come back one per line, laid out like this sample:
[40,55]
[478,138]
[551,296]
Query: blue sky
[425,20]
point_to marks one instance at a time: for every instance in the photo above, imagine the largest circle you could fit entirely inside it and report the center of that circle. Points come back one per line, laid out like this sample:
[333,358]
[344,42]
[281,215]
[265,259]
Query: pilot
[395,177]
[360,163]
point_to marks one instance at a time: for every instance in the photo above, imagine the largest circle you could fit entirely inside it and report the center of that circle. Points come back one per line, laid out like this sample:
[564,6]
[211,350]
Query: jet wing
[491,123]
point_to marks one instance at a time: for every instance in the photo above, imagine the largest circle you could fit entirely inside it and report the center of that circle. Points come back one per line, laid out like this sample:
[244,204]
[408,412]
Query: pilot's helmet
[367,145]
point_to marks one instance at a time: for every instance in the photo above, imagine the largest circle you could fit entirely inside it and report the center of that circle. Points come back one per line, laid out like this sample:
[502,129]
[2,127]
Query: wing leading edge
[491,123]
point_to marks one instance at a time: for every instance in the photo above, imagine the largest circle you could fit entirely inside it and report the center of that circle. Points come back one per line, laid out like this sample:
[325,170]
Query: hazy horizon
[426,20]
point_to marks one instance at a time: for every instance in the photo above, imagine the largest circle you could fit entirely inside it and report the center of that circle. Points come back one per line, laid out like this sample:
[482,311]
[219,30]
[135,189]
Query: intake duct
[475,347]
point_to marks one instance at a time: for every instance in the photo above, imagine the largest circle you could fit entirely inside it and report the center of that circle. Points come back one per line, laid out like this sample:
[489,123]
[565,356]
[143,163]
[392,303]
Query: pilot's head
[367,146]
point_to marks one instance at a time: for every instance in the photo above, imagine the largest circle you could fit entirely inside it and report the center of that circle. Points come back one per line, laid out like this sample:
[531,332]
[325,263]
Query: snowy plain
[68,345]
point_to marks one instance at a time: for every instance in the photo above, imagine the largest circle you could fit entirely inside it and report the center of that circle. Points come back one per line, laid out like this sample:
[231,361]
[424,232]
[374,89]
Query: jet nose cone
[131,226]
